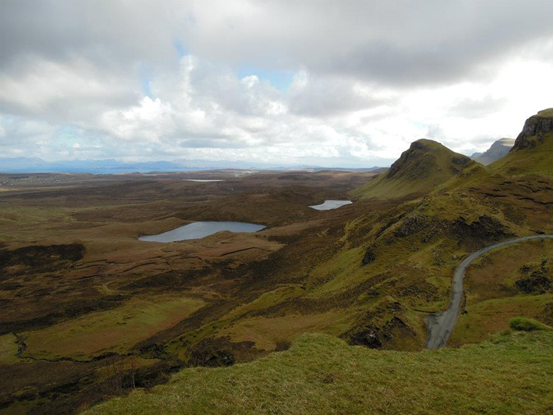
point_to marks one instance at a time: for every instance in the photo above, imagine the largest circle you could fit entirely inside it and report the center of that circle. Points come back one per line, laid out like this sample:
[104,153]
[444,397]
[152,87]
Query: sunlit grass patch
[488,317]
[114,330]
[268,332]
[8,349]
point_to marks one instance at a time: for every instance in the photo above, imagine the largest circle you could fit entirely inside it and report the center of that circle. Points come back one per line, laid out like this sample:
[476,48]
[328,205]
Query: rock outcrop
[534,131]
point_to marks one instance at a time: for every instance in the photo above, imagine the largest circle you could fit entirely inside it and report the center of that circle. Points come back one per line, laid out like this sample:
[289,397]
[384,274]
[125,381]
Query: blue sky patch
[145,78]
[66,136]
[279,79]
[180,48]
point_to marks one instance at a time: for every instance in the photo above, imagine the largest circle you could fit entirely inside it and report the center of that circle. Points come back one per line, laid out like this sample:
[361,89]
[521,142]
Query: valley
[91,312]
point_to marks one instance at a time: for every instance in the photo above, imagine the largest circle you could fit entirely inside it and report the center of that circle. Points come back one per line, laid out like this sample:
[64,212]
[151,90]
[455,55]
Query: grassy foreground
[509,374]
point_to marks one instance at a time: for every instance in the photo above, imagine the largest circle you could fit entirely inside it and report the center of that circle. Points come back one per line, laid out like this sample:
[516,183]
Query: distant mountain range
[34,165]
[498,149]
[112,166]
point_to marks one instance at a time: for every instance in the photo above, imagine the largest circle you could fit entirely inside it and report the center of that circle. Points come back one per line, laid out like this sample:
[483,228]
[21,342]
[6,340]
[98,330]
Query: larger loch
[202,229]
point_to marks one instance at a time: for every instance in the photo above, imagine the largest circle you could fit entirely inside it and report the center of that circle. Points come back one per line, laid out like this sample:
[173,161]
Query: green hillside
[509,374]
[419,169]
[400,263]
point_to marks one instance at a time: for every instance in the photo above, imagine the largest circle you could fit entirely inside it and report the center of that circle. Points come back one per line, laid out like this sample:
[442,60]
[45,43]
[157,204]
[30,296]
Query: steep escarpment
[425,165]
[535,131]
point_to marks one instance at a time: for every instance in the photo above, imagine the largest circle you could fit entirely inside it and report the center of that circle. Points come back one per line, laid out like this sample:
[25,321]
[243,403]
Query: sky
[326,83]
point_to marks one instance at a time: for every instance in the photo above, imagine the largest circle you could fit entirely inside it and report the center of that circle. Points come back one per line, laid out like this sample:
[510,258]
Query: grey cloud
[207,140]
[69,91]
[397,42]
[109,32]
[81,58]
[208,143]
[189,135]
[329,96]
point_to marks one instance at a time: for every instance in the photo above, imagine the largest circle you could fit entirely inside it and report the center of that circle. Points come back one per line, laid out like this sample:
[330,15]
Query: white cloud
[149,121]
[366,80]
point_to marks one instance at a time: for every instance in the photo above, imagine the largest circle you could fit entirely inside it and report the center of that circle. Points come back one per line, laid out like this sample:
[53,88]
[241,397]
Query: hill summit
[419,169]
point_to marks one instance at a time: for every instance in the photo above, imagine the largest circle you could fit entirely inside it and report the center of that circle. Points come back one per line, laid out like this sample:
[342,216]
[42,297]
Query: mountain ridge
[497,150]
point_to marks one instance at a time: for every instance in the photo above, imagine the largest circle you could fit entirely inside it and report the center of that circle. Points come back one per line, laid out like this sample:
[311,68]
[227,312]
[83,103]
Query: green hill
[319,374]
[419,169]
[400,262]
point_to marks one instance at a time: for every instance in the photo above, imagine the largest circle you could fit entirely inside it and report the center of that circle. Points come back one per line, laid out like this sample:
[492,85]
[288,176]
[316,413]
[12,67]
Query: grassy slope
[424,166]
[491,295]
[116,330]
[8,348]
[511,373]
[412,271]
[528,161]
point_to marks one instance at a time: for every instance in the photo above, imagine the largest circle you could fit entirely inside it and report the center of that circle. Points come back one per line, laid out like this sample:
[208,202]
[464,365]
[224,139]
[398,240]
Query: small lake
[202,229]
[330,204]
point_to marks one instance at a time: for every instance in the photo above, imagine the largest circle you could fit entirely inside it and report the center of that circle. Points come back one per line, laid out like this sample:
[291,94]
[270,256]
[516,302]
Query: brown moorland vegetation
[89,311]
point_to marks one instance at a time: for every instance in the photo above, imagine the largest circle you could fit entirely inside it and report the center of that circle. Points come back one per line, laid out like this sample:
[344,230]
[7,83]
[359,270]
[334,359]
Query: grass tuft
[527,324]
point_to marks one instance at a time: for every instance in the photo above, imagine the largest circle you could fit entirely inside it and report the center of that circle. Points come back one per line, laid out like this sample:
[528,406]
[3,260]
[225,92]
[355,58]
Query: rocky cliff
[535,130]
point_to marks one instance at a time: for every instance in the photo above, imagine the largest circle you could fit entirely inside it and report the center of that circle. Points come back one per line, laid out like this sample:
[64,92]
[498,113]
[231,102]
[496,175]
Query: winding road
[440,326]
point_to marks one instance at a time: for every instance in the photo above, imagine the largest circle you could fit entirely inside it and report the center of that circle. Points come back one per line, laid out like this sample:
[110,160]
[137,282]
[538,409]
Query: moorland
[90,312]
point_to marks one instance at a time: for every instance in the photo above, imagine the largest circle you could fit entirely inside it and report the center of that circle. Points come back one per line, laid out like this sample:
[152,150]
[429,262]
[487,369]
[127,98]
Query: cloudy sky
[331,83]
